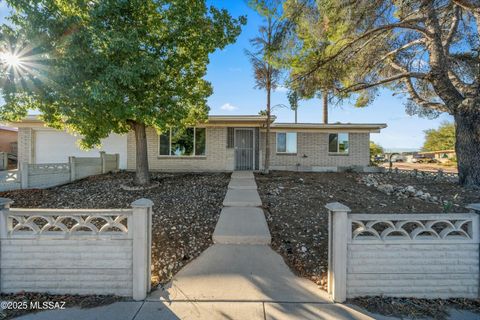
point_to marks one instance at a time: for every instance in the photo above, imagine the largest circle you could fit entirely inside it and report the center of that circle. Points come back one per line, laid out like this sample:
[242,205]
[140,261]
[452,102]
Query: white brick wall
[403,255]
[217,158]
[111,257]
[313,145]
[67,266]
[414,270]
[312,153]
[25,145]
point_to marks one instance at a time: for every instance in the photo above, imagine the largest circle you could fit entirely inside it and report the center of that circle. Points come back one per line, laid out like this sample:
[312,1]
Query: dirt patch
[421,166]
[186,210]
[15,305]
[294,205]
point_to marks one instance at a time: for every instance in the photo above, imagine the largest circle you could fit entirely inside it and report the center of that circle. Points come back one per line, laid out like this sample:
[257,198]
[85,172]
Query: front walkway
[240,276]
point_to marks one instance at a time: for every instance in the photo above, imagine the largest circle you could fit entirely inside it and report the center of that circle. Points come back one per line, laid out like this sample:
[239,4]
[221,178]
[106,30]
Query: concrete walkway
[239,277]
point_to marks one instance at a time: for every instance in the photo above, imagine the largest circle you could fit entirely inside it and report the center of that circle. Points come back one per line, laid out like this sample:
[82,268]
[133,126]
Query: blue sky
[231,75]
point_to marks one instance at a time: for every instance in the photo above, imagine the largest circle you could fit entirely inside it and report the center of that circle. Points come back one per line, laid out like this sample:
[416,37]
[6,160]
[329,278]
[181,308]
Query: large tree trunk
[142,177]
[325,106]
[467,145]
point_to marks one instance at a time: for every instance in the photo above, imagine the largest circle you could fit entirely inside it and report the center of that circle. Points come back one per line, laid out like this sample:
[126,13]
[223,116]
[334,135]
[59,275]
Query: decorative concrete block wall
[76,251]
[403,255]
[3,160]
[9,180]
[53,174]
[87,166]
[45,175]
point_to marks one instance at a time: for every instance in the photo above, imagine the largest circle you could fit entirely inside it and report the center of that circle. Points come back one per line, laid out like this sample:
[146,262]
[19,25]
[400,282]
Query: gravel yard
[186,210]
[294,205]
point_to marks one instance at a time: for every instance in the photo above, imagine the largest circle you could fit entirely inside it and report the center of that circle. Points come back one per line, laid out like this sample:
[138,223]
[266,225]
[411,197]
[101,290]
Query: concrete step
[243,175]
[242,184]
[242,198]
[238,225]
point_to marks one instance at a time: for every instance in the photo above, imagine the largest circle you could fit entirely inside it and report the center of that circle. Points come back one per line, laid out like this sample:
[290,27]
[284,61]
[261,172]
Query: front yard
[186,210]
[294,206]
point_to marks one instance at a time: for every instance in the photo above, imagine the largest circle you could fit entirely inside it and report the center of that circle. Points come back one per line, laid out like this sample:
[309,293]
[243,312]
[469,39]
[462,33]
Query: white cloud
[228,107]
[281,89]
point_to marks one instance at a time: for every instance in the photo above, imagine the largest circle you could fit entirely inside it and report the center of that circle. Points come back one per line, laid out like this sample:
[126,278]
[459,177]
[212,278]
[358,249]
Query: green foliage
[98,66]
[293,98]
[442,138]
[311,40]
[375,150]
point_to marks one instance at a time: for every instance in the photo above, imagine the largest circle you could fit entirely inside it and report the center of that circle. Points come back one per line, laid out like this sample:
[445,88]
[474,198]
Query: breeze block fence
[403,255]
[54,174]
[86,251]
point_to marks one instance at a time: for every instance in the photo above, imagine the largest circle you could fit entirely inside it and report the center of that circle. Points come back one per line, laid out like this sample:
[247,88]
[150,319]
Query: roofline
[437,151]
[257,121]
[238,117]
[332,127]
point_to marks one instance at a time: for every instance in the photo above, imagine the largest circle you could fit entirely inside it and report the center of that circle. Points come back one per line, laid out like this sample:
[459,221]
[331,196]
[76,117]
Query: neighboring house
[440,155]
[8,139]
[223,143]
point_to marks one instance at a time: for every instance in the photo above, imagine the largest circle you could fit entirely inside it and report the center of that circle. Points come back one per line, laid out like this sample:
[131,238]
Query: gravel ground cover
[416,308]
[294,206]
[26,302]
[186,210]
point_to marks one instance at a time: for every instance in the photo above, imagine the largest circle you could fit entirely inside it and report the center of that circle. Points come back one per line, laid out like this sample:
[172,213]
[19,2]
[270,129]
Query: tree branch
[421,101]
[364,86]
[405,46]
[404,24]
[469,5]
[452,30]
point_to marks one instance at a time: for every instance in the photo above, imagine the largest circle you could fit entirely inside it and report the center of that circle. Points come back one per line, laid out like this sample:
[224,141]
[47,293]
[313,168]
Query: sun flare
[10,59]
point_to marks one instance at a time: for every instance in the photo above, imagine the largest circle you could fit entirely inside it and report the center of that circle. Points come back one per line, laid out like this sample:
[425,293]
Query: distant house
[440,155]
[223,143]
[8,139]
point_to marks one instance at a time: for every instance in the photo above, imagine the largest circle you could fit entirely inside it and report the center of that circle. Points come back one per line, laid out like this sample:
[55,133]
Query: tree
[442,138]
[97,67]
[293,98]
[267,76]
[306,45]
[375,150]
[428,50]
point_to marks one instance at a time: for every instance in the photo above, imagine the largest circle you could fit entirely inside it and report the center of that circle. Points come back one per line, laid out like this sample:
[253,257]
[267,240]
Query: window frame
[170,155]
[338,152]
[286,143]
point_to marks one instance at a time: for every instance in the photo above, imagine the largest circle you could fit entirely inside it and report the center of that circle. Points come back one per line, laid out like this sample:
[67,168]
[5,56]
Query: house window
[338,143]
[183,142]
[286,142]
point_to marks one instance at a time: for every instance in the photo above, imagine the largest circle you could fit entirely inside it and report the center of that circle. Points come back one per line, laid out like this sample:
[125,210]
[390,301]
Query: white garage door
[53,146]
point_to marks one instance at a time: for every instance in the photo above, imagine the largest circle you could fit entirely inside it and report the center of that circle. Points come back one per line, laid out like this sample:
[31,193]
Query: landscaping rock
[297,218]
[185,212]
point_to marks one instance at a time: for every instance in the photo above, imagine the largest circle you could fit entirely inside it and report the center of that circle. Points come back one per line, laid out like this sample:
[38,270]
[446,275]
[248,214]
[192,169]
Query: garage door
[56,146]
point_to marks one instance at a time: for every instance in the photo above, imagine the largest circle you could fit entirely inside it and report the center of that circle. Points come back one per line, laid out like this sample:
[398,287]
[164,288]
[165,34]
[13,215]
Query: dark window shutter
[230,137]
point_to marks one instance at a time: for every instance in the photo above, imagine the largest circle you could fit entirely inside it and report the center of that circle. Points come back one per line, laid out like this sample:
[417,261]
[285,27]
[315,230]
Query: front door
[244,146]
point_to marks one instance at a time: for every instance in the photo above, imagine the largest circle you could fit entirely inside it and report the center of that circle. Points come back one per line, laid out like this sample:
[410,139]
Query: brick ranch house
[223,143]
